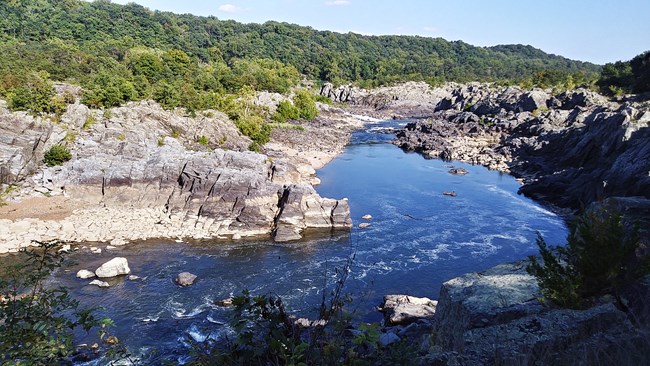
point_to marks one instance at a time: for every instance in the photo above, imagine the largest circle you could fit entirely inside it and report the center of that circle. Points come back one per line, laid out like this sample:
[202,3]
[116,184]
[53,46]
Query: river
[417,239]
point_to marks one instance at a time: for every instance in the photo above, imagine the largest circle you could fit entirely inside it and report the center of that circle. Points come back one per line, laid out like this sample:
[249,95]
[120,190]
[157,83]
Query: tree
[34,94]
[640,66]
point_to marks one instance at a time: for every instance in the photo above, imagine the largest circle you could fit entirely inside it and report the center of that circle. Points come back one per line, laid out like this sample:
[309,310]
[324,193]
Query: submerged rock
[458,171]
[99,283]
[115,267]
[224,302]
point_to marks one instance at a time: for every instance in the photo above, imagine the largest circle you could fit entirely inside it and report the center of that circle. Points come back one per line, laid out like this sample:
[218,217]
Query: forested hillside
[73,39]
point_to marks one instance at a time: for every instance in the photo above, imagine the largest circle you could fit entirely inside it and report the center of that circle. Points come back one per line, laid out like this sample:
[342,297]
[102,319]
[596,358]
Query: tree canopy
[72,38]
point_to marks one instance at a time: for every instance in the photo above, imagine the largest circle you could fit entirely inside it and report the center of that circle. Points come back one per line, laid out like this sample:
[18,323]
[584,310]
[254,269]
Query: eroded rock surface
[140,172]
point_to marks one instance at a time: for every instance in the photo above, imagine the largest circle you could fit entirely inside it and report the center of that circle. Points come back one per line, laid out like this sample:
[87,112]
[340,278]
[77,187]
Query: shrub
[56,155]
[37,322]
[90,121]
[598,259]
[286,110]
[256,128]
[202,141]
[304,101]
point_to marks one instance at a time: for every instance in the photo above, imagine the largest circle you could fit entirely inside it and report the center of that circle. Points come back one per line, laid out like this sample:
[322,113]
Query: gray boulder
[533,100]
[494,317]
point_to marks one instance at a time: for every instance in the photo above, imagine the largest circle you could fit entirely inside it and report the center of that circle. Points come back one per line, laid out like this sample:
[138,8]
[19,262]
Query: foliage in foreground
[599,259]
[37,322]
[265,334]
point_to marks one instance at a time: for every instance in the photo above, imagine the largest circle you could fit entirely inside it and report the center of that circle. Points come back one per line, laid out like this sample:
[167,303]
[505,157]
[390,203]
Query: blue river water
[417,239]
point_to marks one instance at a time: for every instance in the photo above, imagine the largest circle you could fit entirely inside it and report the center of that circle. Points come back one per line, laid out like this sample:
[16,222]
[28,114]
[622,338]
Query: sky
[597,31]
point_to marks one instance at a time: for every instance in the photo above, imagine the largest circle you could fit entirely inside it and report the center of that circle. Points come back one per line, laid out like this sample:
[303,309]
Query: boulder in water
[85,274]
[185,279]
[115,267]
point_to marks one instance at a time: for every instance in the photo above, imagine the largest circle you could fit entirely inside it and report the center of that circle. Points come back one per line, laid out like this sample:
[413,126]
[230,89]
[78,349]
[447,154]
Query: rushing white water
[418,238]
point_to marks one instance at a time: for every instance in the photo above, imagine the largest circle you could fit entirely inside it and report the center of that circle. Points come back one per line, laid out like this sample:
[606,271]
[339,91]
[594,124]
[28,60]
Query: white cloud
[338,2]
[430,29]
[229,8]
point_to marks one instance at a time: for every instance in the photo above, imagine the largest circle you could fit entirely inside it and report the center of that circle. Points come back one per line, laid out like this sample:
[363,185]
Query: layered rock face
[570,149]
[140,172]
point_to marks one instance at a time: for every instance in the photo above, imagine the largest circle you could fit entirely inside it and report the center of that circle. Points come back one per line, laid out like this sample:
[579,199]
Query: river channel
[417,239]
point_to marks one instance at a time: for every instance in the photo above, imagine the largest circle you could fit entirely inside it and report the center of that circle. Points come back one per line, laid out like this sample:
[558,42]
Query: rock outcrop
[494,317]
[141,172]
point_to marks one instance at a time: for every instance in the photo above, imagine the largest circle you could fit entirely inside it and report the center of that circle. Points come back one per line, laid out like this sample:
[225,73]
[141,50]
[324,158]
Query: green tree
[35,94]
[167,94]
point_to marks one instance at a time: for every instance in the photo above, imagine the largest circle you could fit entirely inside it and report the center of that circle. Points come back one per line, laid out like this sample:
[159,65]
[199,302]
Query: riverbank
[573,150]
[139,172]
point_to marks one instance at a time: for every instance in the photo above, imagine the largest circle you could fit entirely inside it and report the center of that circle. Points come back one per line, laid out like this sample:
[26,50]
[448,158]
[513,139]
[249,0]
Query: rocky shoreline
[140,172]
[569,149]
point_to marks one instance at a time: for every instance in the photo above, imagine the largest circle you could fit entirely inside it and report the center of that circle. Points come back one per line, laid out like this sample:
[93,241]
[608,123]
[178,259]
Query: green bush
[598,259]
[57,155]
[286,110]
[202,140]
[304,101]
[37,322]
[256,128]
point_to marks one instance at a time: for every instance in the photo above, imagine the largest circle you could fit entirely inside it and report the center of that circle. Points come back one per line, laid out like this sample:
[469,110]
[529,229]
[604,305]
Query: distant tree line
[625,77]
[72,39]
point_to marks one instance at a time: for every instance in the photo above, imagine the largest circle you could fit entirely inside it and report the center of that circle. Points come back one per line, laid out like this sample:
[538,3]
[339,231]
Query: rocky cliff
[141,172]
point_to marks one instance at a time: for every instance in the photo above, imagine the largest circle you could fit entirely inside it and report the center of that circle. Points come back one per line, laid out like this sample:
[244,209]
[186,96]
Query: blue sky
[598,31]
